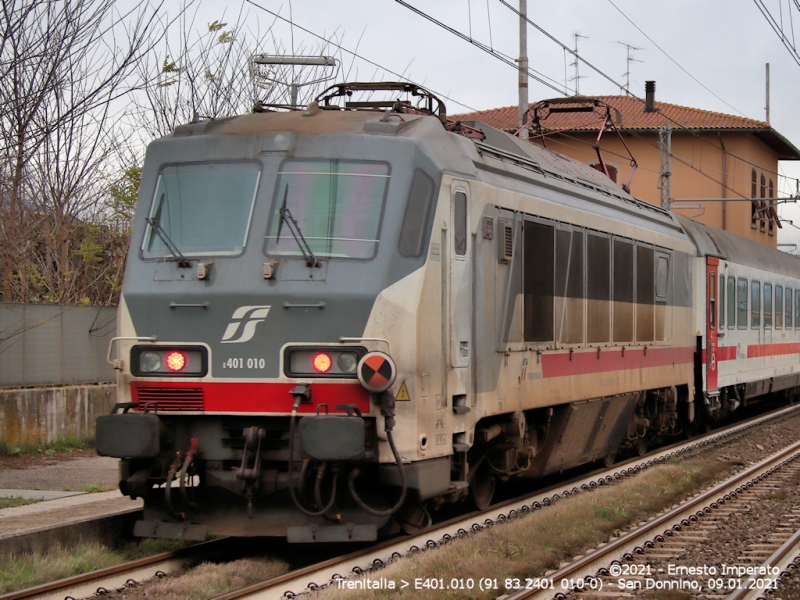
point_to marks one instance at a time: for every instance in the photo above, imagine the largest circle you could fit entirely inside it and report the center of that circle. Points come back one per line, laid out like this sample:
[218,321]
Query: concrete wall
[55,344]
[47,414]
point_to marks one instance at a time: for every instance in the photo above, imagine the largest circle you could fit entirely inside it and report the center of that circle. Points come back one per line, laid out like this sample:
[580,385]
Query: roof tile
[633,117]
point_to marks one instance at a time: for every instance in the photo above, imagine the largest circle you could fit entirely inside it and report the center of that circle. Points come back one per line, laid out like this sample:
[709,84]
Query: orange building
[714,156]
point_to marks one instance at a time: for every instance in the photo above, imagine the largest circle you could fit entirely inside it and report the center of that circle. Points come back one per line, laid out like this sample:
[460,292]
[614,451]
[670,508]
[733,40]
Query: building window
[771,214]
[754,195]
[762,217]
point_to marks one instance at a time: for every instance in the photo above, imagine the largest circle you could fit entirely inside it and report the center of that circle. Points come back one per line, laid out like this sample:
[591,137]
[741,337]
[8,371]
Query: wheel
[482,487]
[641,446]
[413,518]
[608,460]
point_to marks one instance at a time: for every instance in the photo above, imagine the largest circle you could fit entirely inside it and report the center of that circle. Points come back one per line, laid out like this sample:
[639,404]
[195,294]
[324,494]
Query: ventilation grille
[165,399]
[506,250]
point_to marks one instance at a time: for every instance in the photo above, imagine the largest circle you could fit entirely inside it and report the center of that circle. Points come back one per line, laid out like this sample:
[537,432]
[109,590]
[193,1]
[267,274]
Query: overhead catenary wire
[563,46]
[510,62]
[533,74]
[776,27]
[664,52]
[355,54]
[634,96]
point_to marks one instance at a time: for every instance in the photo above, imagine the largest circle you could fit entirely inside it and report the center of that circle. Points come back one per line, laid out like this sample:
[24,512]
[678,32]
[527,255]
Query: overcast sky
[724,44]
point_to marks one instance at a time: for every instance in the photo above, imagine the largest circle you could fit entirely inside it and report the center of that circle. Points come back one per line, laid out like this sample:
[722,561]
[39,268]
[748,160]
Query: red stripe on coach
[761,350]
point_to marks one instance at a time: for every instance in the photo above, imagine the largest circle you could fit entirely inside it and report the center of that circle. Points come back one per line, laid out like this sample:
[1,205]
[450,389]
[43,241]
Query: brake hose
[387,410]
[292,494]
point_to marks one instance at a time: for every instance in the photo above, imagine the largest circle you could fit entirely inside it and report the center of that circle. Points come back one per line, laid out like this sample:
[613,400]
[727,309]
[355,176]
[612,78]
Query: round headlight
[347,362]
[149,361]
[322,362]
[176,361]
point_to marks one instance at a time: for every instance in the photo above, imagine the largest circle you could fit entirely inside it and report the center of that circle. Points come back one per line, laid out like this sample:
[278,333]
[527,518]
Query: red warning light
[175,361]
[322,362]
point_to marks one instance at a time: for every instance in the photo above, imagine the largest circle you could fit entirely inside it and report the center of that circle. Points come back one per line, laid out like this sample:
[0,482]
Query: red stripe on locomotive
[584,363]
[251,397]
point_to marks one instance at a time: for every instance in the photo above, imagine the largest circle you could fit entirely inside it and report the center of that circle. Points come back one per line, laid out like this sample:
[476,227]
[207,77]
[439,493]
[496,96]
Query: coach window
[731,293]
[755,304]
[598,293]
[788,311]
[721,301]
[767,306]
[712,301]
[741,303]
[797,307]
[416,223]
[645,293]
[538,260]
[623,291]
[778,307]
[662,286]
[569,284]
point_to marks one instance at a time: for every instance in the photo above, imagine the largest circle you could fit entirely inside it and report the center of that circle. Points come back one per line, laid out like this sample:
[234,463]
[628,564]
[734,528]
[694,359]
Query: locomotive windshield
[201,209]
[337,205]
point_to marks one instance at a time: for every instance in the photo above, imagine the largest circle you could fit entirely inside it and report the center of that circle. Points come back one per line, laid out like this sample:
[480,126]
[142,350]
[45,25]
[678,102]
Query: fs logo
[254,314]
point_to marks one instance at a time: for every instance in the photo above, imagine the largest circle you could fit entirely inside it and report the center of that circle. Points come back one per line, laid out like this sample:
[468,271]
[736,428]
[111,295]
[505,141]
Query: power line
[628,92]
[680,126]
[778,29]
[563,46]
[664,52]
[540,77]
[342,48]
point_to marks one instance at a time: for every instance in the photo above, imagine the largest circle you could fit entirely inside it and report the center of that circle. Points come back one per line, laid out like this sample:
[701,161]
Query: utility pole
[523,67]
[665,144]
[767,92]
[577,63]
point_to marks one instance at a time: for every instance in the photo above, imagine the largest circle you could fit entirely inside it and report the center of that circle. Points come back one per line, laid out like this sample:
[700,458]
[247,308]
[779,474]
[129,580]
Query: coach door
[712,268]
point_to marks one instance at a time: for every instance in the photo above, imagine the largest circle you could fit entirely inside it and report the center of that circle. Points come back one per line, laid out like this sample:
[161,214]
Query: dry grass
[15,501]
[209,580]
[531,545]
[27,570]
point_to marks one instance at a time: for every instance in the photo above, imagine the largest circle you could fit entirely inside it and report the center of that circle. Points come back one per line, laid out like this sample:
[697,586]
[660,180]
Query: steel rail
[781,558]
[587,566]
[119,576]
[377,555]
[323,574]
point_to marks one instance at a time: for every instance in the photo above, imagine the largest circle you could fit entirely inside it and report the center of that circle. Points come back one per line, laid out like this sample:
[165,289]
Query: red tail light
[322,362]
[176,361]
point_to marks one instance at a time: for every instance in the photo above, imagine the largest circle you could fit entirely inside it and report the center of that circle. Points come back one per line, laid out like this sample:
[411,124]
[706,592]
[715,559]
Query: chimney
[649,96]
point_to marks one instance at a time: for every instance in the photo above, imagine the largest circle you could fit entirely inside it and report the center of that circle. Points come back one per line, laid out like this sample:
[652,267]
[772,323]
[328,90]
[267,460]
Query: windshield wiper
[294,229]
[155,223]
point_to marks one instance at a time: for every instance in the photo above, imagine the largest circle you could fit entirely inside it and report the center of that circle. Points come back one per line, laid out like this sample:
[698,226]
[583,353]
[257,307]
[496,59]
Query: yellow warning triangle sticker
[403,393]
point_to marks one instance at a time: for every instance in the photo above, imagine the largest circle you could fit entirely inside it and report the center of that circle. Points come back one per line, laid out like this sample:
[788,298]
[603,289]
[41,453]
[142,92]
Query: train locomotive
[336,320]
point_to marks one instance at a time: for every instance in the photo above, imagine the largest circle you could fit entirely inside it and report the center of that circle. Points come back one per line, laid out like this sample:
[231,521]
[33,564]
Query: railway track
[128,574]
[682,549]
[320,575]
